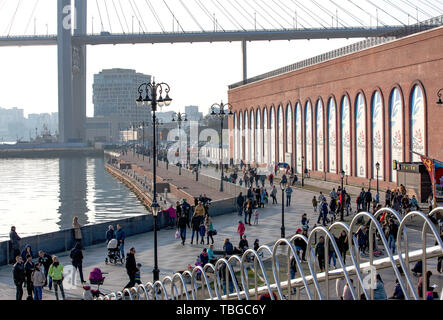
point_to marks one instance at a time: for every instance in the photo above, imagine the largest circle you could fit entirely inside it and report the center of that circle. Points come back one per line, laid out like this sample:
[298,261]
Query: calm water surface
[43,195]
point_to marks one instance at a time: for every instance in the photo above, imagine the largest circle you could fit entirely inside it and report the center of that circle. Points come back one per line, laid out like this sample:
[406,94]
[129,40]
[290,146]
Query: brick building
[371,102]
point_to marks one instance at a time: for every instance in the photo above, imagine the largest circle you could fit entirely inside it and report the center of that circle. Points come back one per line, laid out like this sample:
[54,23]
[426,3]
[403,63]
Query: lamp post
[158,123]
[143,140]
[377,167]
[342,176]
[302,171]
[283,186]
[151,91]
[221,114]
[181,117]
[439,95]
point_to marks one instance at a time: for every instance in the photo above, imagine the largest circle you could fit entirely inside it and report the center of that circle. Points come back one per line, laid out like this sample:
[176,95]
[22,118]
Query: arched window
[272,151]
[360,134]
[396,130]
[308,135]
[332,136]
[280,134]
[265,137]
[235,139]
[247,143]
[298,137]
[377,134]
[417,123]
[251,136]
[345,136]
[258,142]
[289,130]
[319,128]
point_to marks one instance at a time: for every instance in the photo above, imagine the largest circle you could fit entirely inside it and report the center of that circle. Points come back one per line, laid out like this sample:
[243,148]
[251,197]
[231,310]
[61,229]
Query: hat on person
[298,230]
[139,264]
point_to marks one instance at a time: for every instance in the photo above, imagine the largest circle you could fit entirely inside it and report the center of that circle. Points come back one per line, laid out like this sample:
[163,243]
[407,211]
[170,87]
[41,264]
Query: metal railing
[355,47]
[206,282]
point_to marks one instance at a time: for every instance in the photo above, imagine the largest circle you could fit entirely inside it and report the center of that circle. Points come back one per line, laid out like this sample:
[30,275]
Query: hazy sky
[197,73]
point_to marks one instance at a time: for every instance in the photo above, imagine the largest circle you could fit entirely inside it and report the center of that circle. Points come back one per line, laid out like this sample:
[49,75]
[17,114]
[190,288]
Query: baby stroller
[113,252]
[95,278]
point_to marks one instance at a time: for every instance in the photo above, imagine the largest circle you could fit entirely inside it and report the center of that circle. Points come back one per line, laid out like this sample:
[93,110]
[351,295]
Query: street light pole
[180,118]
[302,171]
[143,139]
[342,176]
[377,166]
[221,114]
[283,186]
[151,100]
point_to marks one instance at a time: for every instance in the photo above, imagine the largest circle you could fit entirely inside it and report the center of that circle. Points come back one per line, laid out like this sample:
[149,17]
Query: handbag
[177,234]
[214,232]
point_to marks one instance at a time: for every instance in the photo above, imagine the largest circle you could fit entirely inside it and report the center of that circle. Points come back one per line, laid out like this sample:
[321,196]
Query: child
[256,217]
[137,274]
[304,220]
[241,229]
[314,204]
[38,280]
[202,231]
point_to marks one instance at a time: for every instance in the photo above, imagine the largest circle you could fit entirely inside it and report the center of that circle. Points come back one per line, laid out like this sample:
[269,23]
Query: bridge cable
[140,20]
[431,5]
[107,13]
[277,13]
[241,13]
[329,13]
[348,13]
[213,19]
[118,16]
[173,15]
[301,18]
[255,22]
[413,7]
[271,16]
[13,18]
[124,16]
[366,12]
[99,14]
[192,16]
[385,12]
[226,15]
[30,17]
[259,13]
[303,8]
[231,15]
[154,13]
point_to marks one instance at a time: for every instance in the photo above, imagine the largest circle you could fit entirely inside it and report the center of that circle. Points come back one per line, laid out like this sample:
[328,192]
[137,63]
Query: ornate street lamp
[153,97]
[221,114]
[439,94]
[181,117]
[283,186]
[342,176]
[302,171]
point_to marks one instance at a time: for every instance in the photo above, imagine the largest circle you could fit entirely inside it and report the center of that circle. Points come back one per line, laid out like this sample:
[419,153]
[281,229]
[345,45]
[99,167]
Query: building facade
[369,106]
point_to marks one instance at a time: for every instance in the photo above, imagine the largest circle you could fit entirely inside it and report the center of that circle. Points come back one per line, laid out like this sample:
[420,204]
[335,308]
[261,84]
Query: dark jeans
[274,199]
[80,270]
[131,282]
[321,262]
[19,290]
[58,283]
[183,235]
[209,235]
[50,279]
[288,201]
[440,260]
[192,236]
[29,287]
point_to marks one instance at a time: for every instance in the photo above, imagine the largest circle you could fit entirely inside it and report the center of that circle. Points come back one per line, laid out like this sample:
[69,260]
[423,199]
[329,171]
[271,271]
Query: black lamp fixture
[377,167]
[283,186]
[439,94]
[181,117]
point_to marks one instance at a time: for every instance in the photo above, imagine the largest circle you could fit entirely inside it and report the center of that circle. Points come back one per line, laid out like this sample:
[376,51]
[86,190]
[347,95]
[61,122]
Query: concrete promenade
[173,257]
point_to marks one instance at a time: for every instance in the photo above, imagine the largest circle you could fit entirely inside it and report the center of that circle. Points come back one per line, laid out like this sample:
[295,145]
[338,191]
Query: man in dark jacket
[243,244]
[195,225]
[45,260]
[14,244]
[368,200]
[120,236]
[18,272]
[240,203]
[110,234]
[182,223]
[29,268]
[76,256]
[131,267]
[320,252]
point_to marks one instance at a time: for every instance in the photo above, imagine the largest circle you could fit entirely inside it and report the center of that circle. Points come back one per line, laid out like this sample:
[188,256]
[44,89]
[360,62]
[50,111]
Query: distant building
[166,116]
[193,114]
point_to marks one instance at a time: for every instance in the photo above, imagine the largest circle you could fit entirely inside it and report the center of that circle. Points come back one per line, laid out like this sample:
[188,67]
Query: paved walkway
[172,256]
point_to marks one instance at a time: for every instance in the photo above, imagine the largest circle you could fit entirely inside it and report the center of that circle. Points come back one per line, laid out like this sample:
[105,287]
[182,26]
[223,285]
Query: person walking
[240,202]
[323,213]
[195,225]
[110,234]
[392,235]
[368,200]
[56,273]
[38,281]
[77,230]
[274,195]
[343,245]
[76,256]
[131,267]
[320,253]
[182,223]
[120,236]
[347,294]
[14,243]
[209,229]
[288,195]
[241,229]
[379,291]
[202,231]
[18,272]
[45,260]
[314,204]
[29,268]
